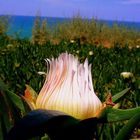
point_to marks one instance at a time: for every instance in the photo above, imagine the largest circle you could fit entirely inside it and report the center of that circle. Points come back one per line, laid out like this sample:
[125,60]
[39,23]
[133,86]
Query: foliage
[11,109]
[95,32]
[40,32]
[36,30]
[91,31]
[20,62]
[4,24]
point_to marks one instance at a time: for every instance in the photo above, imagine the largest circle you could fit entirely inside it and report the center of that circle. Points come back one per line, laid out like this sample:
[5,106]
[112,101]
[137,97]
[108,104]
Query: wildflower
[126,75]
[68,88]
[72,41]
[90,53]
[77,51]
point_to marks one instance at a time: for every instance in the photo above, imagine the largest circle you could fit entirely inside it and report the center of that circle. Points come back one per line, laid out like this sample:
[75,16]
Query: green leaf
[5,111]
[113,115]
[126,132]
[16,100]
[120,94]
[3,87]
[5,117]
[45,137]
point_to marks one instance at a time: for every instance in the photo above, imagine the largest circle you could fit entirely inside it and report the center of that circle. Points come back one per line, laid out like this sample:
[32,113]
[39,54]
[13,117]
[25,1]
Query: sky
[125,10]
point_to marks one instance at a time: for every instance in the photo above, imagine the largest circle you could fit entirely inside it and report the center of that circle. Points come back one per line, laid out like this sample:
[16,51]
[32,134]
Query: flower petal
[68,88]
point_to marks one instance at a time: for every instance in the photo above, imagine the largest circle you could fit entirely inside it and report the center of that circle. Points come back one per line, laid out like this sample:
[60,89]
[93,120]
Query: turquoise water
[21,26]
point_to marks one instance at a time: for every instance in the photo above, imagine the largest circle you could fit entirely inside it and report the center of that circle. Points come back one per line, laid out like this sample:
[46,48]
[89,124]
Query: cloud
[131,2]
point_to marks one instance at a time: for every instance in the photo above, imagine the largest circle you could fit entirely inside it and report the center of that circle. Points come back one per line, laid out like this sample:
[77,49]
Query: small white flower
[72,41]
[90,53]
[126,75]
[77,51]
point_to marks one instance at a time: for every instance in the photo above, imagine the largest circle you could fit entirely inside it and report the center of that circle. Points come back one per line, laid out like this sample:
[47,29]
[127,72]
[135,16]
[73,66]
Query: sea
[21,26]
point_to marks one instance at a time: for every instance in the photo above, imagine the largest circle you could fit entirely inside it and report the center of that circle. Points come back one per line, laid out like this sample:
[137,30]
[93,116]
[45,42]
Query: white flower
[68,88]
[72,41]
[77,51]
[126,75]
[90,53]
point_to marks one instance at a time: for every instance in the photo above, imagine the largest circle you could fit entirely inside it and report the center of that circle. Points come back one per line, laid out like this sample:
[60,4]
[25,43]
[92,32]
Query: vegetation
[3,24]
[110,50]
[39,32]
[89,31]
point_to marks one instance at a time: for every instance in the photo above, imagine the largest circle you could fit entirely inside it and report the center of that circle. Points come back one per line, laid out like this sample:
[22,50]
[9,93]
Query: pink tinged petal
[54,77]
[46,87]
[68,88]
[55,92]
[59,95]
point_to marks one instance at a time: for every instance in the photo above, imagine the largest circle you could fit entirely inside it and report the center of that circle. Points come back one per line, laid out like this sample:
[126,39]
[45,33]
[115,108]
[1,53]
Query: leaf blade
[120,94]
[16,100]
[113,115]
[126,131]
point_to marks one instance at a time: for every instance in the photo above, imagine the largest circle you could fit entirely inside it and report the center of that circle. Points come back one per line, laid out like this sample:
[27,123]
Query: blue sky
[126,10]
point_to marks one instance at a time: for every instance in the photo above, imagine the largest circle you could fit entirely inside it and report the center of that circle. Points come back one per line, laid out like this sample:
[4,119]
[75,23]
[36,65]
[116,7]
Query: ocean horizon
[21,26]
